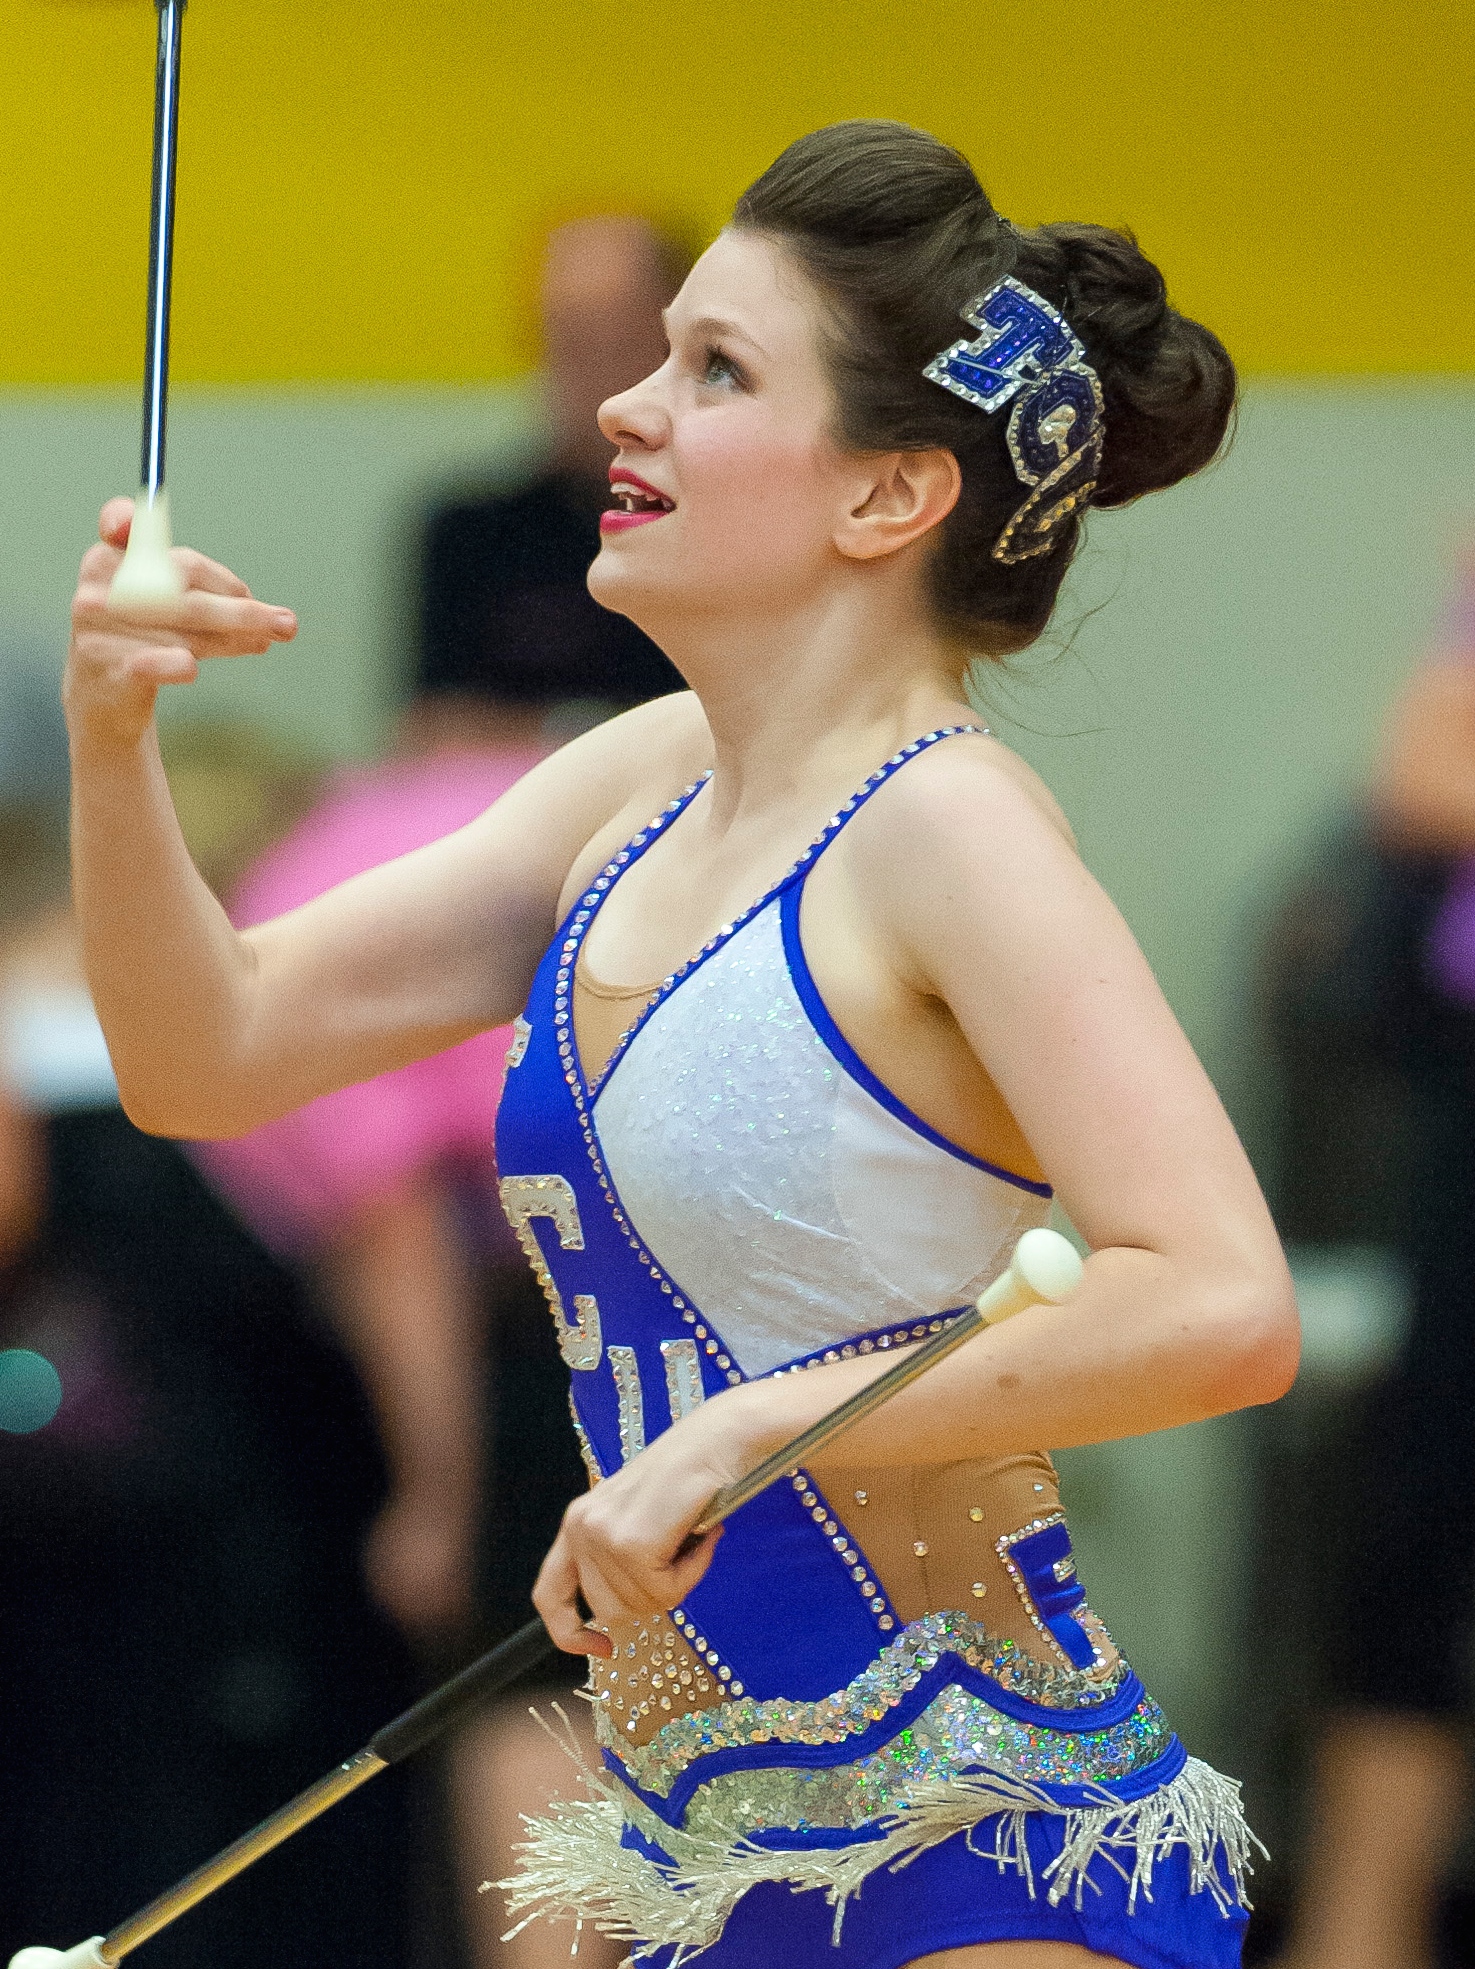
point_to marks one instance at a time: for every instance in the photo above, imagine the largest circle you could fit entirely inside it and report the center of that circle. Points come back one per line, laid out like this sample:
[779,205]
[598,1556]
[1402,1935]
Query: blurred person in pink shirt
[389,1187]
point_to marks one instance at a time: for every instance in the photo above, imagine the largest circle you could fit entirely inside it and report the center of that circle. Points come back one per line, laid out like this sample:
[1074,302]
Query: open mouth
[635,502]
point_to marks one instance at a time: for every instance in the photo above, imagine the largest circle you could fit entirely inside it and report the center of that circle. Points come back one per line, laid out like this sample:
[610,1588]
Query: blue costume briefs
[827,1755]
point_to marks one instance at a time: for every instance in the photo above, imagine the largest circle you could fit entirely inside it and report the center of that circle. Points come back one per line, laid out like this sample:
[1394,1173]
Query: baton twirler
[148,573]
[1045,1269]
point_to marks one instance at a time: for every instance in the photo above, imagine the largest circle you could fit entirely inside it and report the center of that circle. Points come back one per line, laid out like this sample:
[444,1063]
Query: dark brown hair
[898,236]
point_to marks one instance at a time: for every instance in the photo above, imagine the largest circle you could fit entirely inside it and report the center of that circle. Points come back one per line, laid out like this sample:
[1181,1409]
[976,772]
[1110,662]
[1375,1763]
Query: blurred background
[366,193]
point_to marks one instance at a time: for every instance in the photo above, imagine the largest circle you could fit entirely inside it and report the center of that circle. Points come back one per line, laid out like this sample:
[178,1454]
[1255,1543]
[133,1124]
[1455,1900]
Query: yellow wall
[360,179]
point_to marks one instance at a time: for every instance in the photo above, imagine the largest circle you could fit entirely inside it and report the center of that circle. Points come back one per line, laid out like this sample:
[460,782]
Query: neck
[821,694]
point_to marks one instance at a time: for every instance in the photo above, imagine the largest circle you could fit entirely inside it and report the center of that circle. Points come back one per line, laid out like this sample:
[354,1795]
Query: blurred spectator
[184,1638]
[388,1189]
[1392,1773]
[504,593]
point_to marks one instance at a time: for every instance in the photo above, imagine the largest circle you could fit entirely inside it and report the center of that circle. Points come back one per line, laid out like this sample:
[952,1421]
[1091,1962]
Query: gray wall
[1198,727]
[310,495]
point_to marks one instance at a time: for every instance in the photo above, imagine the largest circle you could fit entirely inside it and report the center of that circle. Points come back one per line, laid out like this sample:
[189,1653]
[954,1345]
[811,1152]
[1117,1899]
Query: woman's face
[727,484]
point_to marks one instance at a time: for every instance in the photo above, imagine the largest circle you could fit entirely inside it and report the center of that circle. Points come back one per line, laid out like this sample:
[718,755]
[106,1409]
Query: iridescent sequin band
[895,1672]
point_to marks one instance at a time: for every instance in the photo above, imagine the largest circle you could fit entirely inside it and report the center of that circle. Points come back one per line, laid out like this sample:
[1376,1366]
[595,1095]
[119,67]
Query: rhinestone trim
[879,1340]
[586,1448]
[651,1673]
[821,840]
[524,1198]
[822,1513]
[567,1052]
[684,1390]
[631,1398]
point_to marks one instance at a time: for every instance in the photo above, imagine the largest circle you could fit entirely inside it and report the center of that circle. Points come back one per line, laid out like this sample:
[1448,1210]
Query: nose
[635,420]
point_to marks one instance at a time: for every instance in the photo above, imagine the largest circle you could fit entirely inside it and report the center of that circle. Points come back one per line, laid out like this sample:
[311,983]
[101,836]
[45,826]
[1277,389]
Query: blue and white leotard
[737,1195]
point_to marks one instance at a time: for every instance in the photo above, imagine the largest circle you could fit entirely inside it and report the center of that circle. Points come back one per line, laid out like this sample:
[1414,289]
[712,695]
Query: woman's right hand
[119,659]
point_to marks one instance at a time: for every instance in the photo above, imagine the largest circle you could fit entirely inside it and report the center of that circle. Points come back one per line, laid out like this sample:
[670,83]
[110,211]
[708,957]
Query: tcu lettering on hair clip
[1027,352]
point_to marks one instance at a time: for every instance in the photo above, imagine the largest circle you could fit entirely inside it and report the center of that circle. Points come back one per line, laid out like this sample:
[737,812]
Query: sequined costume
[887,1690]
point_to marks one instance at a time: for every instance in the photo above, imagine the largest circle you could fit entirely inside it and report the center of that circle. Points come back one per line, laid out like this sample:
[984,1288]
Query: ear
[902,495]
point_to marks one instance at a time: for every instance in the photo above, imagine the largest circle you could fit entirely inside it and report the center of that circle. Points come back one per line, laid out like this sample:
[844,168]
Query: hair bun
[1168,382]
[899,239]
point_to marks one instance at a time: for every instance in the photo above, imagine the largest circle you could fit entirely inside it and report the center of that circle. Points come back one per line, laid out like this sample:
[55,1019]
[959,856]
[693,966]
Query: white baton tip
[1049,1265]
[86,1955]
[147,573]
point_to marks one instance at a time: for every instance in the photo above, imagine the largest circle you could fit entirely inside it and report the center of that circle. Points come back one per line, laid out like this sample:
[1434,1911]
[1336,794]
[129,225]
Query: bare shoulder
[639,746]
[617,768]
[654,750]
[969,854]
[594,793]
[957,797]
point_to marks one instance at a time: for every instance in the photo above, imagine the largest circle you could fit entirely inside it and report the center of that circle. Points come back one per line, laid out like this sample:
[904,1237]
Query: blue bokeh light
[30,1391]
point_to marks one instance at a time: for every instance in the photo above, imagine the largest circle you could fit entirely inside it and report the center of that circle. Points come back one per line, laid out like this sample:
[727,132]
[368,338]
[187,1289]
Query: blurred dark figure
[503,586]
[1343,988]
[184,1637]
[1391,1780]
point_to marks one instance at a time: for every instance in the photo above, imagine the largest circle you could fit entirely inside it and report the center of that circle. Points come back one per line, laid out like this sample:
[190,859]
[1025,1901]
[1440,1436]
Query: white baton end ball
[1049,1265]
[86,1955]
[1044,1269]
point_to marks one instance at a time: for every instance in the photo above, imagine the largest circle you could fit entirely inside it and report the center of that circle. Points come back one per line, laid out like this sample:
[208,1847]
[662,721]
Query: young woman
[831,1007]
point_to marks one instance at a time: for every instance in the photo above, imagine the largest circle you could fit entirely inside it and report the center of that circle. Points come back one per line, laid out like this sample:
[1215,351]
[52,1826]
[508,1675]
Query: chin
[628,590]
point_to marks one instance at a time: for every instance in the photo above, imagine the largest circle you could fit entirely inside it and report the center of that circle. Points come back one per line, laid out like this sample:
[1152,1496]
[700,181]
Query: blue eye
[718,369]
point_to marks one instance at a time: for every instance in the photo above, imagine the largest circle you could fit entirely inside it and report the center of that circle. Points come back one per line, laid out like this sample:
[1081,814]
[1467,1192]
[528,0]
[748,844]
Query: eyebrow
[717,325]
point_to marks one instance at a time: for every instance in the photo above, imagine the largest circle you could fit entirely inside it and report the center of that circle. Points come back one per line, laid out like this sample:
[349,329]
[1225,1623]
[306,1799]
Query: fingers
[100,564]
[625,1566]
[200,571]
[247,631]
[156,667]
[120,658]
[219,622]
[689,1567]
[114,521]
[556,1597]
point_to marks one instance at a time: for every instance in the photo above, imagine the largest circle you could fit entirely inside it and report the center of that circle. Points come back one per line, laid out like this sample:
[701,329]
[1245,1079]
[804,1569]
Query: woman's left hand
[620,1546]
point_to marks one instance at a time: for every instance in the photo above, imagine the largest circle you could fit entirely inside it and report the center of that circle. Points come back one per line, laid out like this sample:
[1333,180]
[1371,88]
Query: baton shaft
[425,1720]
[161,245]
[1021,1286]
[243,1852]
[901,1374]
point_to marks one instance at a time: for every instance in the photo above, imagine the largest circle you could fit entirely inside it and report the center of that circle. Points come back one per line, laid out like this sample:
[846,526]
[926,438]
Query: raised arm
[213,1031]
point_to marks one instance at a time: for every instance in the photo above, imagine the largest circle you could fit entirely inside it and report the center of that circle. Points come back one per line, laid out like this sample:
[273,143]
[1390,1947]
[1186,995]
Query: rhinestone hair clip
[1027,353]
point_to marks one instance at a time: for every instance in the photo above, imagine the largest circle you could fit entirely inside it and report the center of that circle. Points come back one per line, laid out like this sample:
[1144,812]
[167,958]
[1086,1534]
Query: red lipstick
[640,501]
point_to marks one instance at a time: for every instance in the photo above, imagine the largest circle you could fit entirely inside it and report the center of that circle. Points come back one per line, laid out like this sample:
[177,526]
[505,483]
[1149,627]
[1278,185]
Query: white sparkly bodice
[795,1206]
